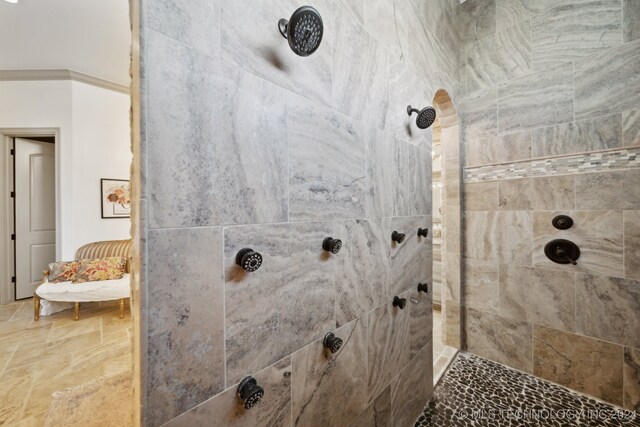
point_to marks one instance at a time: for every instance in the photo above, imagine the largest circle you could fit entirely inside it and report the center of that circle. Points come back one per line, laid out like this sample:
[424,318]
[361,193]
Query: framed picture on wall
[115,198]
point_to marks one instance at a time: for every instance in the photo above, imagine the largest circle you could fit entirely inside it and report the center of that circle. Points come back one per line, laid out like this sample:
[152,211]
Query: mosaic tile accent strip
[478,392]
[628,158]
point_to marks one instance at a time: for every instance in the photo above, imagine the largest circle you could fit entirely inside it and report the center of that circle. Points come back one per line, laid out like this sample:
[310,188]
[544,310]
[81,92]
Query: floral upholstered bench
[101,290]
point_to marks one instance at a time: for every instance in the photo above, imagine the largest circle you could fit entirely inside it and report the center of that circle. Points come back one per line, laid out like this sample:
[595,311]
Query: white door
[35,204]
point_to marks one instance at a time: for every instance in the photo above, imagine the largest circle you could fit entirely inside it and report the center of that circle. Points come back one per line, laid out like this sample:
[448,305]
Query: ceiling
[89,36]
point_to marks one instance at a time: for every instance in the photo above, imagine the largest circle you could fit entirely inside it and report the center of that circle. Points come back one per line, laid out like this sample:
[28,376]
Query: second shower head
[426,116]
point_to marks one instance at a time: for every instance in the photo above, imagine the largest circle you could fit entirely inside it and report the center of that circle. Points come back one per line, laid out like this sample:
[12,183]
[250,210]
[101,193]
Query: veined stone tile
[551,193]
[479,115]
[318,375]
[451,286]
[412,189]
[194,23]
[608,308]
[412,388]
[356,7]
[360,71]
[500,339]
[631,20]
[610,190]
[388,345]
[411,260]
[421,323]
[480,235]
[477,19]
[584,364]
[225,409]
[538,296]
[608,82]
[631,128]
[575,29]
[362,268]
[185,351]
[326,163]
[535,100]
[601,133]
[631,379]
[286,304]
[378,413]
[202,166]
[510,12]
[632,244]
[598,234]
[251,40]
[515,231]
[481,196]
[499,57]
[381,180]
[481,285]
[504,148]
[381,21]
[452,231]
[452,326]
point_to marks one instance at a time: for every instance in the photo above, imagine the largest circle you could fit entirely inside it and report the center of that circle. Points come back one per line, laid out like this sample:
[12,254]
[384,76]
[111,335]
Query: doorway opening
[447,336]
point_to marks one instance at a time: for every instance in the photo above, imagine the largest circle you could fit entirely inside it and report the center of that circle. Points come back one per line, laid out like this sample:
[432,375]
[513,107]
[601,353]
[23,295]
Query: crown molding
[32,75]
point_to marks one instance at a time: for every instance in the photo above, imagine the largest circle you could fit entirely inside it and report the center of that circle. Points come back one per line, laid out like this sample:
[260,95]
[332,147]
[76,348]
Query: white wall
[93,143]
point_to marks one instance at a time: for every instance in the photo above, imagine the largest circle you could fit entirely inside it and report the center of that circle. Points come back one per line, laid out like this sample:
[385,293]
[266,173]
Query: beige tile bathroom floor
[38,358]
[442,354]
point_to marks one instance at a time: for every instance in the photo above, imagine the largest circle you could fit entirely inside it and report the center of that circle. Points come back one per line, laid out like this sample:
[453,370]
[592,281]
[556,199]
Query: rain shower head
[426,116]
[303,30]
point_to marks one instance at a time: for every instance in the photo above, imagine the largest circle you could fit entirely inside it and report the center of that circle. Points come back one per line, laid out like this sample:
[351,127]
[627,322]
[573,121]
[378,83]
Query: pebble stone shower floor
[478,392]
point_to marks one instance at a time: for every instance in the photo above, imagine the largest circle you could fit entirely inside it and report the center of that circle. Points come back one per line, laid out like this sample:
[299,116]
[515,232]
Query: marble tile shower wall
[546,83]
[245,144]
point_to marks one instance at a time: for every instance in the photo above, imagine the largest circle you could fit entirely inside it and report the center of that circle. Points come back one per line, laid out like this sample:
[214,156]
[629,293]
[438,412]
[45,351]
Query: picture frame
[115,198]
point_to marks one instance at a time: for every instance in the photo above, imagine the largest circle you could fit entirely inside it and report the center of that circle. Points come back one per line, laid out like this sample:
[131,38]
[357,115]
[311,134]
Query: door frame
[7,249]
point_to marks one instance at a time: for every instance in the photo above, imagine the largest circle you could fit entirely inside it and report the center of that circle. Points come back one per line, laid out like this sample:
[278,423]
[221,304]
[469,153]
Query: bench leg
[122,308]
[77,311]
[36,307]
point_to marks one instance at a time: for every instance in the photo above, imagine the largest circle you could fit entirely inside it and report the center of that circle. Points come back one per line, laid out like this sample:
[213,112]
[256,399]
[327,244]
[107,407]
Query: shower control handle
[332,342]
[332,245]
[249,259]
[423,287]
[398,237]
[249,392]
[423,232]
[399,302]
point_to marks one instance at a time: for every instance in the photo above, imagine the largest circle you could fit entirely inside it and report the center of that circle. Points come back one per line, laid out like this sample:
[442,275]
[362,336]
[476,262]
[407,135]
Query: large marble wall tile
[225,409]
[326,163]
[601,133]
[584,364]
[632,244]
[452,231]
[515,231]
[411,261]
[286,304]
[610,190]
[538,296]
[378,413]
[388,345]
[451,289]
[477,19]
[537,194]
[202,168]
[479,115]
[421,322]
[194,23]
[481,196]
[608,308]
[381,180]
[498,338]
[502,56]
[506,148]
[360,71]
[540,99]
[597,233]
[362,268]
[452,324]
[185,351]
[631,379]
[381,21]
[631,128]
[356,7]
[318,375]
[481,289]
[251,40]
[510,12]
[575,29]
[608,82]
[480,231]
[631,20]
[411,391]
[413,185]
